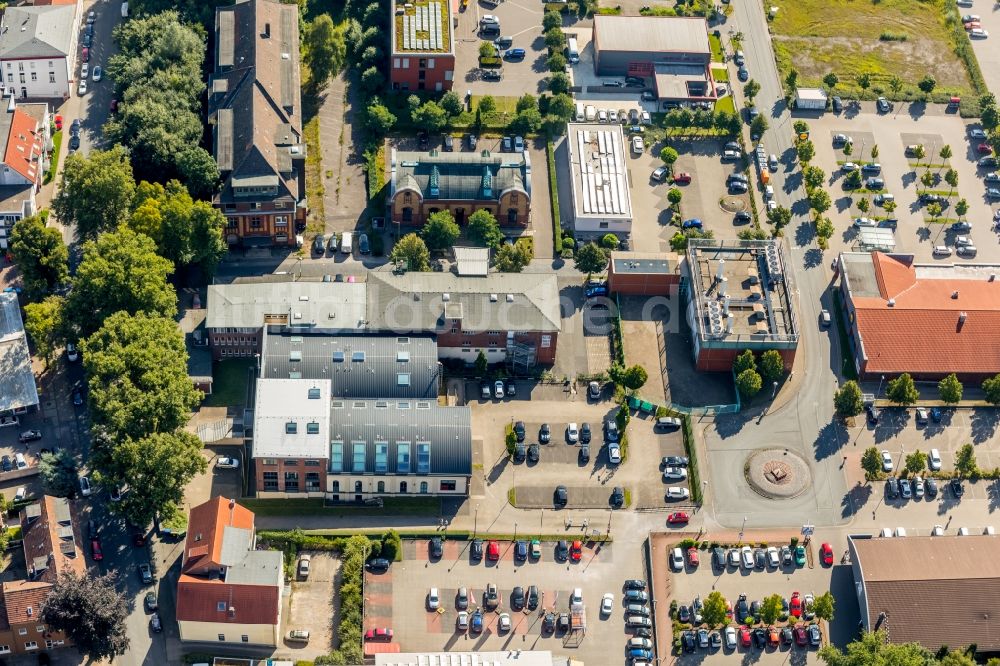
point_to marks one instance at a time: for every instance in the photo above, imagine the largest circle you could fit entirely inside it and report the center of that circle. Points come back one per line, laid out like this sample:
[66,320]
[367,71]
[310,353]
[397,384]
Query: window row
[359,453]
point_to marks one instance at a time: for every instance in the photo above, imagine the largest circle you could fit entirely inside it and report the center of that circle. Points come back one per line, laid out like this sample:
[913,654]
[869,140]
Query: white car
[433,599]
[864,222]
[646,119]
[848,167]
[489,19]
[934,460]
[637,145]
[504,623]
[228,463]
[615,455]
[746,554]
[577,597]
[676,493]
[463,620]
[20,494]
[82,90]
[19,461]
[612,116]
[572,433]
[674,474]
[85,488]
[607,603]
[769,192]
[772,557]
[730,637]
[963,240]
[98,73]
[730,155]
[886,461]
[942,251]
[84,70]
[979,33]
[602,116]
[676,559]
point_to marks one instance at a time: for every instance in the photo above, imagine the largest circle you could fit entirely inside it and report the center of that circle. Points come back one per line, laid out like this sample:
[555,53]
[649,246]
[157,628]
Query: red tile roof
[48,540]
[22,144]
[21,595]
[923,331]
[203,546]
[198,601]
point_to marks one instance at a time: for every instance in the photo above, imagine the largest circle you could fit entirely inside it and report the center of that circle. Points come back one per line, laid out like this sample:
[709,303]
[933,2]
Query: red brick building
[255,109]
[421,49]
[644,273]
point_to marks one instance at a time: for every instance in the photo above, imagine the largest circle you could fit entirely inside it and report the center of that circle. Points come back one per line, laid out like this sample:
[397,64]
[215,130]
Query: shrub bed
[554,198]
[694,478]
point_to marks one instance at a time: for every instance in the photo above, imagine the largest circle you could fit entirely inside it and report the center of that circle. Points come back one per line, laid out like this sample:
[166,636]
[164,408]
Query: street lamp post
[774,390]
[882,379]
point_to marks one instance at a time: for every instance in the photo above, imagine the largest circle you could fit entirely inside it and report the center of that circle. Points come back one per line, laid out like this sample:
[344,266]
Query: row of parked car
[761,638]
[574,434]
[748,558]
[523,550]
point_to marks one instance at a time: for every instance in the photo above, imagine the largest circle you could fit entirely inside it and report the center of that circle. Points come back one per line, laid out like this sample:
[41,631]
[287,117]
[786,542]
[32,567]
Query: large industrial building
[598,172]
[421,48]
[928,320]
[932,590]
[670,52]
[739,299]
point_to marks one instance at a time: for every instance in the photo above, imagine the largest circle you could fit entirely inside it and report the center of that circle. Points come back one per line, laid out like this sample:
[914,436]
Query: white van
[590,113]
[572,52]
[124,10]
[346,242]
[579,112]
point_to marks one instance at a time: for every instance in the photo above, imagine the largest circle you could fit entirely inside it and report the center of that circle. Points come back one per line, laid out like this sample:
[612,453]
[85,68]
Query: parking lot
[519,20]
[404,607]
[311,606]
[905,125]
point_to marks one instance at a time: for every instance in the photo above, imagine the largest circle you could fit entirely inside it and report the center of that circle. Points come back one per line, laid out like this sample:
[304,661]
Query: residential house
[38,50]
[421,48]
[255,109]
[24,140]
[228,592]
[52,546]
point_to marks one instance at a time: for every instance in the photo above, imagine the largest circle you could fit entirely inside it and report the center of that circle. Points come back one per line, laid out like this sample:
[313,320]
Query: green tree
[136,367]
[770,609]
[674,196]
[849,149]
[824,228]
[714,610]
[161,464]
[96,191]
[874,648]
[669,155]
[528,121]
[918,152]
[44,324]
[935,210]
[800,127]
[902,390]
[991,387]
[379,119]
[631,378]
[562,107]
[513,258]
[551,20]
[950,389]
[965,461]
[591,258]
[772,366]
[889,206]
[758,125]
[120,271]
[558,83]
[556,62]
[823,606]
[487,50]
[555,40]
[874,151]
[791,80]
[927,84]
[744,361]
[853,180]
[990,116]
[482,364]
[484,230]
[609,242]
[430,116]
[916,462]
[372,80]
[962,207]
[324,50]
[864,205]
[91,612]
[831,80]
[40,255]
[779,217]
[895,85]
[748,383]
[452,103]
[945,152]
[871,463]
[848,400]
[413,252]
[58,472]
[951,177]
[864,81]
[819,201]
[805,150]
[813,176]
[440,231]
[198,170]
[487,105]
[751,89]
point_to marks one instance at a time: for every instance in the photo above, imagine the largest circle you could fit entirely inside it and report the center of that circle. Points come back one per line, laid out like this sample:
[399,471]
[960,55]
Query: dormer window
[291,428]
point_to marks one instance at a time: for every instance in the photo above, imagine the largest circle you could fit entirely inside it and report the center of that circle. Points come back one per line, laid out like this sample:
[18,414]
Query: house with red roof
[228,592]
[23,143]
[929,320]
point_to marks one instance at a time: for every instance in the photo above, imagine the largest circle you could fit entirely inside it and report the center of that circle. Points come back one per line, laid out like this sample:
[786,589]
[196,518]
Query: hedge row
[694,477]
[554,199]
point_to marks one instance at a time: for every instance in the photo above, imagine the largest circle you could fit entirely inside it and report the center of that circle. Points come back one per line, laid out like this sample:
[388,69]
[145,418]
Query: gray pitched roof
[447,430]
[17,382]
[327,306]
[469,176]
[357,367]
[37,32]
[497,302]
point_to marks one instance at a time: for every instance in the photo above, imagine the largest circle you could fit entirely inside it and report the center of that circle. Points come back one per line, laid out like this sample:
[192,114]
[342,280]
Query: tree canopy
[96,191]
[848,399]
[440,231]
[44,324]
[483,229]
[91,612]
[591,258]
[874,650]
[902,390]
[513,258]
[40,254]
[871,463]
[413,252]
[950,389]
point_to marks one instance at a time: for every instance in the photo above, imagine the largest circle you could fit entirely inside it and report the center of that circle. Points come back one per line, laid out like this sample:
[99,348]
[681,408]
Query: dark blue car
[638,653]
[521,550]
[477,622]
[514,54]
[594,290]
[693,223]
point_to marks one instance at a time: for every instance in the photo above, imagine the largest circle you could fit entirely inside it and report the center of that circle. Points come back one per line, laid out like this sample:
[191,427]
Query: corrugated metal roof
[357,367]
[462,176]
[388,423]
[651,33]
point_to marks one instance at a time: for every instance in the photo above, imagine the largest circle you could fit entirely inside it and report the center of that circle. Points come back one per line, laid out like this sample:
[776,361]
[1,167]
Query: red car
[678,518]
[85,54]
[693,557]
[772,636]
[576,551]
[826,554]
[95,550]
[379,634]
[114,106]
[800,634]
[745,636]
[492,551]
[58,122]
[795,605]
[984,148]
[682,178]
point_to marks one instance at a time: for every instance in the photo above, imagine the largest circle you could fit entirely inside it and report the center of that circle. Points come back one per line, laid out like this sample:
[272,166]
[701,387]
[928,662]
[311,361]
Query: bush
[557,240]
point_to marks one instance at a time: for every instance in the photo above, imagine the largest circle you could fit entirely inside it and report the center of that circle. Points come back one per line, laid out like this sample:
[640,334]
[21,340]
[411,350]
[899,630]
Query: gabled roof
[200,599]
[328,306]
[209,522]
[37,32]
[23,600]
[51,541]
[23,145]
[503,302]
[658,34]
[254,97]
[460,176]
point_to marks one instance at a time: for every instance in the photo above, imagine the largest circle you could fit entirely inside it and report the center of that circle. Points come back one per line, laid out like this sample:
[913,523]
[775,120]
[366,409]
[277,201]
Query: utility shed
[810,98]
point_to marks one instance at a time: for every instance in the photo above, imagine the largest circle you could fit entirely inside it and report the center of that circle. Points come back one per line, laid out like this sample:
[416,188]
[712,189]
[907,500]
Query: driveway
[519,19]
[341,164]
[312,606]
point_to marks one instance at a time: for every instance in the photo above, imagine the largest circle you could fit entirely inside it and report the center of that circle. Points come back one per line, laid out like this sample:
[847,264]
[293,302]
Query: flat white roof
[811,93]
[598,166]
[292,418]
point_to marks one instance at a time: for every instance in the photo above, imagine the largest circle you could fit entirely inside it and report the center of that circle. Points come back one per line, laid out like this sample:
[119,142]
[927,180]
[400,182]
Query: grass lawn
[54,165]
[410,506]
[717,54]
[726,104]
[230,383]
[819,36]
[720,74]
